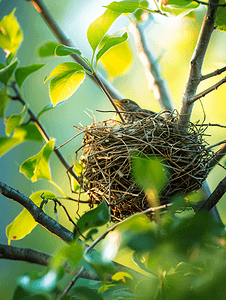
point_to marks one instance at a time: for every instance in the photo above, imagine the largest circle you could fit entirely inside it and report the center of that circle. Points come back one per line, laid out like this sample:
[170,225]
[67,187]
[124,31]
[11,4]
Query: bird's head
[127,105]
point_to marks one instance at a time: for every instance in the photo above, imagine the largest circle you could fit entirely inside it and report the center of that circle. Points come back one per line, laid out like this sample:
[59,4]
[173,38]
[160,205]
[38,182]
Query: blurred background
[172,41]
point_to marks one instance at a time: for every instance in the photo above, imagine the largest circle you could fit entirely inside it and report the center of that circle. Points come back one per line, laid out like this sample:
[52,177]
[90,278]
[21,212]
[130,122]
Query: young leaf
[110,42]
[48,49]
[3,101]
[24,223]
[46,108]
[22,73]
[93,218]
[100,26]
[62,50]
[37,166]
[123,7]
[6,72]
[21,134]
[10,34]
[178,8]
[67,78]
[221,17]
[14,121]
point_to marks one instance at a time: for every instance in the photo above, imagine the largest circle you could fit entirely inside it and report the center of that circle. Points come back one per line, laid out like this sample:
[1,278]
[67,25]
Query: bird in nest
[132,112]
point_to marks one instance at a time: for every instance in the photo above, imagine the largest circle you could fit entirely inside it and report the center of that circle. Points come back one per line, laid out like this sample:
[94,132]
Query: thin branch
[156,82]
[44,133]
[58,32]
[207,91]
[214,73]
[73,281]
[24,254]
[194,76]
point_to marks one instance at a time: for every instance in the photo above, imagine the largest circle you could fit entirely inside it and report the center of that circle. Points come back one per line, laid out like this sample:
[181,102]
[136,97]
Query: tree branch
[24,254]
[58,32]
[151,66]
[207,3]
[207,91]
[194,76]
[221,151]
[37,213]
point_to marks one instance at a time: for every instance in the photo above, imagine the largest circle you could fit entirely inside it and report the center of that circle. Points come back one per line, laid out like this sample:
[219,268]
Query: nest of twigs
[107,147]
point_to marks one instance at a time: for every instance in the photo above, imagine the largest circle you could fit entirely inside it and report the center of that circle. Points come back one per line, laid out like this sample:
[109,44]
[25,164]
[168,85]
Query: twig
[78,275]
[151,66]
[44,134]
[207,91]
[214,73]
[221,151]
[194,76]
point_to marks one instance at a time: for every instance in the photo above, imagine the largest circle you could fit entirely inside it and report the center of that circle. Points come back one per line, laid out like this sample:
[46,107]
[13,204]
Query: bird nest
[107,148]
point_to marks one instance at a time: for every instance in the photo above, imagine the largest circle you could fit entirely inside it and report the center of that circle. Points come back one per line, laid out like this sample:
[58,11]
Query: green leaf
[10,34]
[120,276]
[122,56]
[6,72]
[71,254]
[37,166]
[93,218]
[110,42]
[178,8]
[21,134]
[149,172]
[221,17]
[66,78]
[14,121]
[24,223]
[3,101]
[100,26]
[123,7]
[48,49]
[62,50]
[85,293]
[22,73]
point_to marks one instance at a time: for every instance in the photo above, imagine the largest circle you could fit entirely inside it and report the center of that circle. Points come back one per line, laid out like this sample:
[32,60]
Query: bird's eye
[126,101]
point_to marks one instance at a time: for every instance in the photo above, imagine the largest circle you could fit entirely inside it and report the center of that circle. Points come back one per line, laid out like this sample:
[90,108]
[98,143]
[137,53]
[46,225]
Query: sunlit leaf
[48,49]
[62,50]
[121,276]
[100,26]
[37,166]
[14,121]
[21,134]
[6,72]
[149,172]
[110,42]
[121,55]
[24,223]
[66,78]
[3,101]
[10,34]
[221,17]
[93,218]
[178,8]
[22,73]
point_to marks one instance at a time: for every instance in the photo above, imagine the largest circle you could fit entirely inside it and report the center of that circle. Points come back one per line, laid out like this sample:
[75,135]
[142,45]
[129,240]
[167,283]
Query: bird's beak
[118,103]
